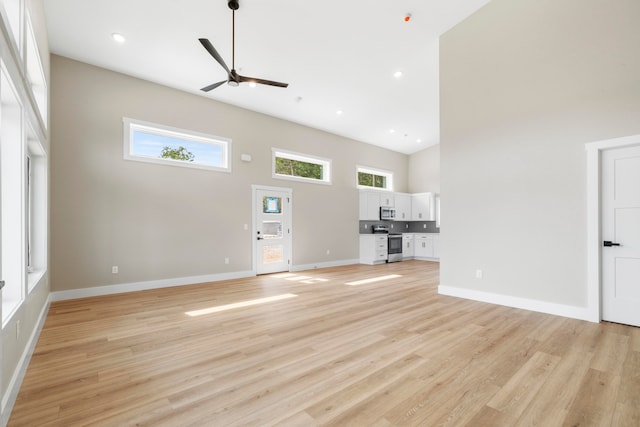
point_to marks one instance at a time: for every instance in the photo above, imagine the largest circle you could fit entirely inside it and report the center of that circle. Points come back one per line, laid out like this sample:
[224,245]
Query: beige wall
[14,346]
[424,171]
[158,222]
[524,84]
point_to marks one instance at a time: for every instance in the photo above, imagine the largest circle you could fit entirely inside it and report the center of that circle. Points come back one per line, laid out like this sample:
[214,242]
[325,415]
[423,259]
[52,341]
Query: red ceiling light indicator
[407,17]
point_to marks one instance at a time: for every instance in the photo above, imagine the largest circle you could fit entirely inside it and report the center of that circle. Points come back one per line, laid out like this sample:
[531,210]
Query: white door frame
[254,224]
[594,236]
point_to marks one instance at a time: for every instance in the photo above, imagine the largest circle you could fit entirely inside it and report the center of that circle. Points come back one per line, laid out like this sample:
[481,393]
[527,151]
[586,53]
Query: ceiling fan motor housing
[233,4]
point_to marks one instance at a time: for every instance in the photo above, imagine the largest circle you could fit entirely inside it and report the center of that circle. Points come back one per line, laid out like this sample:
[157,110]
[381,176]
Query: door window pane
[272,205]
[272,230]
[272,254]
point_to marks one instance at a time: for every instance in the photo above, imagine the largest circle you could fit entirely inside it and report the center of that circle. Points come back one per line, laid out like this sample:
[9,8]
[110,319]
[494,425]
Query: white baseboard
[324,264]
[9,399]
[143,286]
[574,312]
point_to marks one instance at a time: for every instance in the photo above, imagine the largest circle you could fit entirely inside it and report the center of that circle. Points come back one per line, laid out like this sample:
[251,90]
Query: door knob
[609,243]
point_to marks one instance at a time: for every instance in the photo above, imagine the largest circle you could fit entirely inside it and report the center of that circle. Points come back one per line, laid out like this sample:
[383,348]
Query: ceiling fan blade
[212,50]
[261,81]
[213,86]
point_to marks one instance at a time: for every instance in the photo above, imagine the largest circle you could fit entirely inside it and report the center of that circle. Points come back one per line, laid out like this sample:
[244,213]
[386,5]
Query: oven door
[394,247]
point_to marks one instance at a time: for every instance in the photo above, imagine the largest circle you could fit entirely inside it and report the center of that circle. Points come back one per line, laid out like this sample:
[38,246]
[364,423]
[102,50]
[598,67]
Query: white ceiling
[335,55]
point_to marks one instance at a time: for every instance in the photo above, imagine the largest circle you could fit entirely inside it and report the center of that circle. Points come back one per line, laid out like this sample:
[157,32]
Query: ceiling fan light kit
[233,78]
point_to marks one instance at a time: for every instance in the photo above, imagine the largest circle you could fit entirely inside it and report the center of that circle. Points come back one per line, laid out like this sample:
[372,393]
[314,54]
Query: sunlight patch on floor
[373,280]
[299,278]
[247,303]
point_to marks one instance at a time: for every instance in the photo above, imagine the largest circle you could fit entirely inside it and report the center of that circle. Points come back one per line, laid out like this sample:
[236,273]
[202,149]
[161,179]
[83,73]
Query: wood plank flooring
[388,352]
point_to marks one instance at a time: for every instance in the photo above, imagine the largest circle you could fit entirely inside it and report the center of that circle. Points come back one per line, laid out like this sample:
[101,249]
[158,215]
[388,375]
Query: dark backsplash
[401,226]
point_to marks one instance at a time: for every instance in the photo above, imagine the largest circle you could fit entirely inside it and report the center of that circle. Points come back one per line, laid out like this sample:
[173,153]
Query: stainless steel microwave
[387,213]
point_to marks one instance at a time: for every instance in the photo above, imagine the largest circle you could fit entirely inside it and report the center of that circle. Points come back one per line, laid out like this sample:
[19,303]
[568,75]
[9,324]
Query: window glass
[302,167]
[272,205]
[372,178]
[161,144]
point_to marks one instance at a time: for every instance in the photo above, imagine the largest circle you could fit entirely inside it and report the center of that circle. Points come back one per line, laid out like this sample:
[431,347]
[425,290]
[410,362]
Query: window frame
[131,125]
[374,171]
[307,158]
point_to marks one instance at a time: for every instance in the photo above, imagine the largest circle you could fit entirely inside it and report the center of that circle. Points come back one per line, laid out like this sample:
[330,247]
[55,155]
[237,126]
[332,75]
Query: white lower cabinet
[427,246]
[407,246]
[373,248]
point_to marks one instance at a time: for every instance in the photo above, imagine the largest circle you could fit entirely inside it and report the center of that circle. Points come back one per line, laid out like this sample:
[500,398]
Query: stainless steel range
[394,242]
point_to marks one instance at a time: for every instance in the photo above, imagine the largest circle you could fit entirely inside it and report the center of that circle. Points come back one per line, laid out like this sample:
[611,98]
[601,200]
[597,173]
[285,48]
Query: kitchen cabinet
[427,246]
[407,246]
[387,199]
[403,206]
[369,206]
[422,207]
[373,248]
[370,202]
[423,247]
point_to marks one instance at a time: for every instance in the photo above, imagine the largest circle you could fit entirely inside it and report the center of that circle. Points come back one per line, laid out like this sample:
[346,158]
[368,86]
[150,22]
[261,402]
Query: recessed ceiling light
[118,37]
[252,84]
[397,74]
[419,141]
[392,130]
[339,112]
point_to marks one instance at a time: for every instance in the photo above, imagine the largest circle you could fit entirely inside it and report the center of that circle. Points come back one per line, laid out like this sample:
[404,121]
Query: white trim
[573,312]
[184,134]
[594,284]
[328,264]
[147,285]
[9,399]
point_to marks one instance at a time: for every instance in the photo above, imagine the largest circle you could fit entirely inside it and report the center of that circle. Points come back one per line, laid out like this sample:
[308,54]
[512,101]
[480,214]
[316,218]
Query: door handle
[260,238]
[608,243]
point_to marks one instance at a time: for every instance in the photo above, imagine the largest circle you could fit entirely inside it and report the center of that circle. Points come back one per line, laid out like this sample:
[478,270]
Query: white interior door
[272,229]
[621,235]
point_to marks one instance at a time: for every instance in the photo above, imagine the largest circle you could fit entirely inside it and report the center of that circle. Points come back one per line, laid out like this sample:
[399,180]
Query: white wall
[160,222]
[524,84]
[424,170]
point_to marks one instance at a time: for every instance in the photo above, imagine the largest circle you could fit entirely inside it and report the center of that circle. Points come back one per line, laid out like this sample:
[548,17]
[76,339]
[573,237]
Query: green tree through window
[179,153]
[298,168]
[372,180]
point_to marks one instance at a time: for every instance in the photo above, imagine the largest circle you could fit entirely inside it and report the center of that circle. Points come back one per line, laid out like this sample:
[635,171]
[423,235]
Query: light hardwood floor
[386,353]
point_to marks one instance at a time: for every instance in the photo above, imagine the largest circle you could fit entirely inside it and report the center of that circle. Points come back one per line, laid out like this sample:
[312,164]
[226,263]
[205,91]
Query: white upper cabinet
[369,206]
[387,199]
[403,206]
[422,208]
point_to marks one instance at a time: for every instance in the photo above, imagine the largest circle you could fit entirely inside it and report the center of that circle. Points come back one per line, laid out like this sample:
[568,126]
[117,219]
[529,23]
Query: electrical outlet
[478,274]
[366,226]
[114,269]
[226,260]
[328,251]
[246,227]
[424,225]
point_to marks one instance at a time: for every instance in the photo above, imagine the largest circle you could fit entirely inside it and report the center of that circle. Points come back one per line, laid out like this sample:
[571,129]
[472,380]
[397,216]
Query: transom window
[301,167]
[153,143]
[374,178]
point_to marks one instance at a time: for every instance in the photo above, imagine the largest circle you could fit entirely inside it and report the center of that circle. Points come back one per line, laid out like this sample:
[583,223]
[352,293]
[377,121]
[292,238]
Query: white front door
[621,235]
[272,230]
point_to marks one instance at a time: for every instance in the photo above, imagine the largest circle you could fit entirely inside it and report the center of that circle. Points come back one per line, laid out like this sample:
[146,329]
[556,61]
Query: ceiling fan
[233,78]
